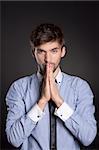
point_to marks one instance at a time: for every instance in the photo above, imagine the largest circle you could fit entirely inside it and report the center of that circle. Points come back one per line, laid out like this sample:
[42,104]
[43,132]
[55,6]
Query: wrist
[59,101]
[42,103]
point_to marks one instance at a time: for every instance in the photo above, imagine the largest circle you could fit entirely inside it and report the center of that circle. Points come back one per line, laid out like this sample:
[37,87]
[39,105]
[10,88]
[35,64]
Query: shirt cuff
[63,112]
[35,113]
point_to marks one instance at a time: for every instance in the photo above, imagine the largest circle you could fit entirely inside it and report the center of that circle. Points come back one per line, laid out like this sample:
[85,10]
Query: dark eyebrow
[45,50]
[40,49]
[55,48]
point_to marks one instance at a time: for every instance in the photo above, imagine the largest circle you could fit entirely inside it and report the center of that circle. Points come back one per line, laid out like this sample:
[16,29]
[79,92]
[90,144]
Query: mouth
[42,68]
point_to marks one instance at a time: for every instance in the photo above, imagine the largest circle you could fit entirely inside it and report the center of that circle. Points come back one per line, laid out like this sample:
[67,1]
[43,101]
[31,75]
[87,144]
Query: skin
[48,57]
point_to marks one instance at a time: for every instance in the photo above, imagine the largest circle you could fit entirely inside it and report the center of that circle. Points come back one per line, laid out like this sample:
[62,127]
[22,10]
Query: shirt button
[61,115]
[38,116]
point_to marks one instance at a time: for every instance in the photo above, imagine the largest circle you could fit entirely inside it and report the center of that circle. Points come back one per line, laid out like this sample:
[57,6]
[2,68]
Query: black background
[80,23]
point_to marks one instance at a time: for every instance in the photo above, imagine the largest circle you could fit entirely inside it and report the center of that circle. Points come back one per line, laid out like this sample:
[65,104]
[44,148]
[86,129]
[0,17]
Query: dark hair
[45,33]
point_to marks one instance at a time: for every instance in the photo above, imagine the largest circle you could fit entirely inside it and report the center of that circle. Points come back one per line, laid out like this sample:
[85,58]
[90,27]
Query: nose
[47,57]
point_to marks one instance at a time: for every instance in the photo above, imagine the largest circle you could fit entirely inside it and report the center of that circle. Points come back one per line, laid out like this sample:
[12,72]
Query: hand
[46,86]
[49,89]
[55,96]
[45,93]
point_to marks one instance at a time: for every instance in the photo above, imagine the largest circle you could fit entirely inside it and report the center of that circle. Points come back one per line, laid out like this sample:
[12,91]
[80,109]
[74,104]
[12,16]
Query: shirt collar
[39,76]
[58,77]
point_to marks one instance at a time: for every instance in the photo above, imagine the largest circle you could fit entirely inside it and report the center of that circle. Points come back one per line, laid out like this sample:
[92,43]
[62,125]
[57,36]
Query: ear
[64,51]
[32,51]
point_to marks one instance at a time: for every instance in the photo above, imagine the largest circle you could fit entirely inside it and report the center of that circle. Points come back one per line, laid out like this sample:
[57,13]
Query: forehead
[49,45]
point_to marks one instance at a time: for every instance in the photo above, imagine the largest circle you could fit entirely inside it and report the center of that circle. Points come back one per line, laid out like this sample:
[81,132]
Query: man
[50,110]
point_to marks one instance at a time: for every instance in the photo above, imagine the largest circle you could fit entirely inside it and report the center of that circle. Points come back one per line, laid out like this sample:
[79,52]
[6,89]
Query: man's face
[51,53]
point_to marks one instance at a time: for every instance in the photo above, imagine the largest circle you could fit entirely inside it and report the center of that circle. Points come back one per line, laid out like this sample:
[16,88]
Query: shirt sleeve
[35,114]
[19,125]
[82,123]
[63,112]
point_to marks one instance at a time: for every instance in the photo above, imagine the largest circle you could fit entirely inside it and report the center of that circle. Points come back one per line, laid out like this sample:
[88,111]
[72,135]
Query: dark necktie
[52,125]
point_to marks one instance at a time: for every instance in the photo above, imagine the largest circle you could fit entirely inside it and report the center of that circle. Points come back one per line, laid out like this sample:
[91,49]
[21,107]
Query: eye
[54,50]
[39,51]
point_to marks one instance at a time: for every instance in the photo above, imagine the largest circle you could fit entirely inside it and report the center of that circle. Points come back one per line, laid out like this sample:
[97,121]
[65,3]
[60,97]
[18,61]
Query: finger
[47,75]
[47,70]
[51,75]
